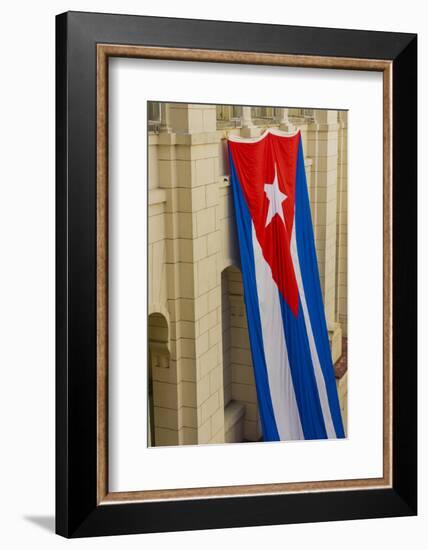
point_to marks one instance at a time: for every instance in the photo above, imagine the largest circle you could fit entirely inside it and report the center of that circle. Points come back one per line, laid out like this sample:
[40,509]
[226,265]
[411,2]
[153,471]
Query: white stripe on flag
[319,377]
[278,368]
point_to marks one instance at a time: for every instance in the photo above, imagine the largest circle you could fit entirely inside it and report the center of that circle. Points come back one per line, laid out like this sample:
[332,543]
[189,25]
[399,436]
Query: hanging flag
[293,369]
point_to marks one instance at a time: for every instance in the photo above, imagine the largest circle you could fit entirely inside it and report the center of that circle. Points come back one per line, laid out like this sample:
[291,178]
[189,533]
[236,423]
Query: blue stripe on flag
[310,277]
[244,228]
[302,372]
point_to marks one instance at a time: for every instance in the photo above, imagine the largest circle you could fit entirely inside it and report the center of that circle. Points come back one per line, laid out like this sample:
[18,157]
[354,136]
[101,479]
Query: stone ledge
[153,138]
[157,196]
[197,138]
[323,127]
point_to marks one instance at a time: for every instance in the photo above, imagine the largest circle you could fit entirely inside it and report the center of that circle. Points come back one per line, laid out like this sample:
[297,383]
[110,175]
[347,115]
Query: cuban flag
[292,362]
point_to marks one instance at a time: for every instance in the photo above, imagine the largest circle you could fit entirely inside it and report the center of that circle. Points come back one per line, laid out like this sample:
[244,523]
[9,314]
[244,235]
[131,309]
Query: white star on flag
[276,198]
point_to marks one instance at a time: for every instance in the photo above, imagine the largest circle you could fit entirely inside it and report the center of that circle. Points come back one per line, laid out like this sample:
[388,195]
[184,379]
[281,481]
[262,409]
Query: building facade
[201,384]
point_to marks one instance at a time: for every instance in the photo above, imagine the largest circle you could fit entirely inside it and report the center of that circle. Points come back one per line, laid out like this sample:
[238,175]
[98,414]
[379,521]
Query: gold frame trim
[104,51]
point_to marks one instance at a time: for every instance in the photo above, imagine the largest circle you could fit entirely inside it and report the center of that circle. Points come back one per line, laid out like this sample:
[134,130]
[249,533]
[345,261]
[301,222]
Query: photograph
[247,273]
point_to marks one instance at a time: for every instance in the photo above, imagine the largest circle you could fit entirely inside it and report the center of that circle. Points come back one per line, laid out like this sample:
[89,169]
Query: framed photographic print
[236,274]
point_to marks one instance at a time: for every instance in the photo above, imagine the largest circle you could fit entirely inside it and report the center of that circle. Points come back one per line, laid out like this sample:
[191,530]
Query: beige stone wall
[238,377]
[202,378]
[342,225]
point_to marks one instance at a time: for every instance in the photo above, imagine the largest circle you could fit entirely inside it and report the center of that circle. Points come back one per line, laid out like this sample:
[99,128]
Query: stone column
[342,219]
[248,128]
[164,111]
[281,117]
[189,170]
[322,147]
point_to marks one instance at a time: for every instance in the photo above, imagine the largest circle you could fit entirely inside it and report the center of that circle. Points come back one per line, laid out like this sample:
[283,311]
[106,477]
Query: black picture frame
[77,511]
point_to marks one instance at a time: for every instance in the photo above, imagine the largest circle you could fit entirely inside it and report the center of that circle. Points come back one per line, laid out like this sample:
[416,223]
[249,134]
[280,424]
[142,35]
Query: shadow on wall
[158,359]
